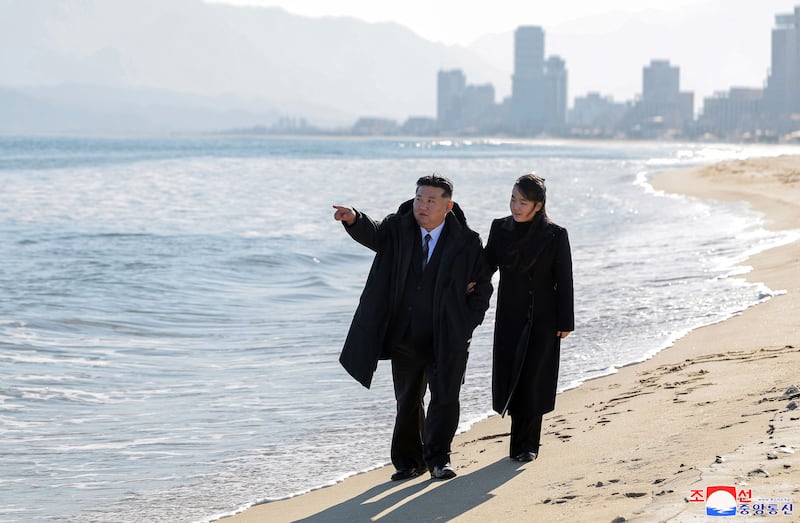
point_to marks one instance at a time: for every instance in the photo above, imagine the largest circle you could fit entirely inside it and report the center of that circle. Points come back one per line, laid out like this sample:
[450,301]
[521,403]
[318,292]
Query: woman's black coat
[456,313]
[534,301]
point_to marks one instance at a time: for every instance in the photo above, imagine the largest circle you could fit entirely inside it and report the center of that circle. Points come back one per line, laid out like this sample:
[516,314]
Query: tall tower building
[555,92]
[527,80]
[660,81]
[450,87]
[782,95]
[538,87]
[663,109]
[528,51]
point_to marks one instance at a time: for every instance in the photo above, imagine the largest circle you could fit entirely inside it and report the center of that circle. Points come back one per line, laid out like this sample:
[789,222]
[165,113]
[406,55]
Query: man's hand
[344,214]
[562,334]
[470,288]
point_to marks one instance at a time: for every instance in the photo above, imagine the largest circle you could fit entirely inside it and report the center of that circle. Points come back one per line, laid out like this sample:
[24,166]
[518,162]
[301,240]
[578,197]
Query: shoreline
[714,408]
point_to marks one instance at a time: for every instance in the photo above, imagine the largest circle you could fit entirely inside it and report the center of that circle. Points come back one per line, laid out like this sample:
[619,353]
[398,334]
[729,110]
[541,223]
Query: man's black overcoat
[456,312]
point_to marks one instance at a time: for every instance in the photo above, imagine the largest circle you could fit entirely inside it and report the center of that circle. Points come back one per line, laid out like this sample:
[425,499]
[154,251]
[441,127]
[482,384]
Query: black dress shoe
[400,475]
[443,472]
[525,457]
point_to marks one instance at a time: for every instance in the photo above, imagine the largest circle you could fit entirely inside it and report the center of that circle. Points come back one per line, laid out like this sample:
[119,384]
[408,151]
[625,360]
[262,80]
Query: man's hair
[434,180]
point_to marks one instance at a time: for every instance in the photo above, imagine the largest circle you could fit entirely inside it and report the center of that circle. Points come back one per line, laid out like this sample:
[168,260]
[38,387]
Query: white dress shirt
[435,233]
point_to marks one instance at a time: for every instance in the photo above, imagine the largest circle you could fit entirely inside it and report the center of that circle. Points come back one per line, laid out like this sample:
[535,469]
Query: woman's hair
[532,188]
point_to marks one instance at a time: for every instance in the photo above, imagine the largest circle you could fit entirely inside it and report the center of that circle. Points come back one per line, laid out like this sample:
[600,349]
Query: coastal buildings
[463,107]
[595,115]
[663,110]
[735,113]
[768,114]
[538,102]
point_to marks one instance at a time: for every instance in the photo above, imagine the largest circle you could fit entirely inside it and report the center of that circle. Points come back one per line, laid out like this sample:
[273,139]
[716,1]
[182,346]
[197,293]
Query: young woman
[534,312]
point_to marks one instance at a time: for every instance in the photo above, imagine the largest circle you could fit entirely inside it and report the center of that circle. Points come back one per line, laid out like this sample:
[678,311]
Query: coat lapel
[409,233]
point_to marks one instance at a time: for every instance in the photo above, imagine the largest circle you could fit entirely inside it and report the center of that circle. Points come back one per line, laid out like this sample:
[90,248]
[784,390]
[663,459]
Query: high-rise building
[554,100]
[782,94]
[478,107]
[528,51]
[732,114]
[463,107]
[449,90]
[528,78]
[538,87]
[663,110]
[661,82]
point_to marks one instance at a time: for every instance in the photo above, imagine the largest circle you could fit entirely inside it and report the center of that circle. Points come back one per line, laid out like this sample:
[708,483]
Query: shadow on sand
[425,500]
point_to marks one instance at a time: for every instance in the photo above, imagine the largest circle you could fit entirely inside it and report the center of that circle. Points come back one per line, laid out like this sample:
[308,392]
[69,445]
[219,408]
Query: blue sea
[172,309]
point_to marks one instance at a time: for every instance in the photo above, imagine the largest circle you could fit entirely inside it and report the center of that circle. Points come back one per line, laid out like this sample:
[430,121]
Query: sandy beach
[718,408]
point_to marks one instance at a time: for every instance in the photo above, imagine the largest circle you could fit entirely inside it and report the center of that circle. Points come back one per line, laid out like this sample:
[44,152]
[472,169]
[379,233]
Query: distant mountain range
[177,65]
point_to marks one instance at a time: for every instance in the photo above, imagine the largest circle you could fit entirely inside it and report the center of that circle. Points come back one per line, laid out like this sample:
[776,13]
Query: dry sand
[719,408]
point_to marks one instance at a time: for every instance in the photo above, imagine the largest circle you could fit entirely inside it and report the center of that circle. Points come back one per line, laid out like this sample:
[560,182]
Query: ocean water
[172,309]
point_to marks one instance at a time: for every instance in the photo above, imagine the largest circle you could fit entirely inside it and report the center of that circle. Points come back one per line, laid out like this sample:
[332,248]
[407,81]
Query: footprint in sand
[634,494]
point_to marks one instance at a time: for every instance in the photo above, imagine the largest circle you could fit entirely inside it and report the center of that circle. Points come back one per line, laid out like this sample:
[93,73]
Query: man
[416,311]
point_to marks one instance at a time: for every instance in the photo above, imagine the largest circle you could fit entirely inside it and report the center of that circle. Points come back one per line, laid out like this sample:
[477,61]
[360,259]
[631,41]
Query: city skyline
[538,103]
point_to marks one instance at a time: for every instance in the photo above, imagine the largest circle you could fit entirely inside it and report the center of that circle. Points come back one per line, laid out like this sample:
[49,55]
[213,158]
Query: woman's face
[522,209]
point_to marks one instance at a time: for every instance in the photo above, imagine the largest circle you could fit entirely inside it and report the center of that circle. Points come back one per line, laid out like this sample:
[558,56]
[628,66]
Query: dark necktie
[425,251]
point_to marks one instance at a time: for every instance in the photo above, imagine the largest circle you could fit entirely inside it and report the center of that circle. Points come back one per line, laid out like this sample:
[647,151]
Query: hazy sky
[718,44]
[460,22]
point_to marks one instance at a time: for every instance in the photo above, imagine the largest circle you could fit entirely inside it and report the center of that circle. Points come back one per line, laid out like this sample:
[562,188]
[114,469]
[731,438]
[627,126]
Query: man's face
[430,207]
